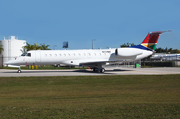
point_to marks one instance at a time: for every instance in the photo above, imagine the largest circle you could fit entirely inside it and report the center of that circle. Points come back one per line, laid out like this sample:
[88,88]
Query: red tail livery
[151,39]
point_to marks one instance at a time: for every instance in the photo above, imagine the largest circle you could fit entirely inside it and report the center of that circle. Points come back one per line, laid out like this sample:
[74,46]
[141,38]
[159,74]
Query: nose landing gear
[19,70]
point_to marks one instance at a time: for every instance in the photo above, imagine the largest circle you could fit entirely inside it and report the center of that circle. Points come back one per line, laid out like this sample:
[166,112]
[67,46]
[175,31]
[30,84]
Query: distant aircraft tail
[151,40]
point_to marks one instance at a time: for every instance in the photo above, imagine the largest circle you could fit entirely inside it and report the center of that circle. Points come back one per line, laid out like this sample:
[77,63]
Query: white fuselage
[78,57]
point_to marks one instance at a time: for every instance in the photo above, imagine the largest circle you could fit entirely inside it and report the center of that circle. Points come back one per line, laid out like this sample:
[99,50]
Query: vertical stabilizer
[151,39]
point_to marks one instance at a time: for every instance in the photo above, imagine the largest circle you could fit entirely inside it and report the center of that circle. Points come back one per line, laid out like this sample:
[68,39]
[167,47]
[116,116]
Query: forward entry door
[38,56]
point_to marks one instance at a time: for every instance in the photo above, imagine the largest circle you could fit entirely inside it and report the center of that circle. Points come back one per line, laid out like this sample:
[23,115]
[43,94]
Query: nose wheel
[19,70]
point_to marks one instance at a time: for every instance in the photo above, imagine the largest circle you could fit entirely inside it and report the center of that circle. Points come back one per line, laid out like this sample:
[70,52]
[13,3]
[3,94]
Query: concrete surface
[81,72]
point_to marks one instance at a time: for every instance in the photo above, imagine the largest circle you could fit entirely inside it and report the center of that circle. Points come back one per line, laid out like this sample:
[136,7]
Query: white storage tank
[12,48]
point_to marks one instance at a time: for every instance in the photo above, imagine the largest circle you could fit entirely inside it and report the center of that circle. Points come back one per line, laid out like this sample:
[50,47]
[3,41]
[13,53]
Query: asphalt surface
[88,72]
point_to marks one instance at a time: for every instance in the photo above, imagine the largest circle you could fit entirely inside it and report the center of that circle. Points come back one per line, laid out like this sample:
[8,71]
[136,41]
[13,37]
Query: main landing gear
[99,70]
[102,70]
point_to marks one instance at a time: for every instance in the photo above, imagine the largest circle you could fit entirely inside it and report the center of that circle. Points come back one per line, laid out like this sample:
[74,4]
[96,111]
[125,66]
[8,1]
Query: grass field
[156,96]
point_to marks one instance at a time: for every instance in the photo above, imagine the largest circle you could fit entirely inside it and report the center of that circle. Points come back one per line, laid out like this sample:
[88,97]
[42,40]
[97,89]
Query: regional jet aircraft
[94,58]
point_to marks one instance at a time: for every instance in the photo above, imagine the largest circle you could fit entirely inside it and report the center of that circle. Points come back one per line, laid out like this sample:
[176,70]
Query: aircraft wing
[90,63]
[85,62]
[97,62]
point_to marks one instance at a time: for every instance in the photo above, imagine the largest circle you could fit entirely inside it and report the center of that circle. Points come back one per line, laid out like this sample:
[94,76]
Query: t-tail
[150,41]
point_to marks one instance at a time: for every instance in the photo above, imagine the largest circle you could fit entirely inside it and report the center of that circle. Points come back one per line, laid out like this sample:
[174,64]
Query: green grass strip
[141,96]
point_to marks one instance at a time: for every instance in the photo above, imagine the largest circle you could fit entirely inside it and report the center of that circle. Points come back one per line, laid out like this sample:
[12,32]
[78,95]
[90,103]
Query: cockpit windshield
[26,54]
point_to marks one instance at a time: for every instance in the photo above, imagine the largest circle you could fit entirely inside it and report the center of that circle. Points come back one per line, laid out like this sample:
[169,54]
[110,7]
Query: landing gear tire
[94,69]
[102,70]
[19,71]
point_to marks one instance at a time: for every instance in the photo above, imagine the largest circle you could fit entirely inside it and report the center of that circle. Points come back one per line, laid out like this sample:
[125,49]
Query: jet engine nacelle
[128,52]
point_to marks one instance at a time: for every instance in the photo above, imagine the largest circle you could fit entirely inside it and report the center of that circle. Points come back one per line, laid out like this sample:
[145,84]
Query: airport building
[13,47]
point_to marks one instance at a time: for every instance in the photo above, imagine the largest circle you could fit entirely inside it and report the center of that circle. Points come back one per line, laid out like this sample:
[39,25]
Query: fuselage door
[38,56]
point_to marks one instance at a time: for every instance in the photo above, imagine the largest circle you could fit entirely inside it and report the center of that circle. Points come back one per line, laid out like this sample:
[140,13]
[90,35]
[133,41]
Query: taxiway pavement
[88,72]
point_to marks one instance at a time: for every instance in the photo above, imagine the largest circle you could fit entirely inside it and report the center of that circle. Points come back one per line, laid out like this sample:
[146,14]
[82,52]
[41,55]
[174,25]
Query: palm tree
[36,46]
[45,47]
[127,45]
[28,47]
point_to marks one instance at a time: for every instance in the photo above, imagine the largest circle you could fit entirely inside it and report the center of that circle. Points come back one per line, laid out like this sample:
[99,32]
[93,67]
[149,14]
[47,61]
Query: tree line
[36,47]
[167,50]
[30,47]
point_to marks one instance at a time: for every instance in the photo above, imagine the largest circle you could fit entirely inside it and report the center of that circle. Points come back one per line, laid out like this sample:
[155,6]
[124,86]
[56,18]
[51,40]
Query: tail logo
[151,40]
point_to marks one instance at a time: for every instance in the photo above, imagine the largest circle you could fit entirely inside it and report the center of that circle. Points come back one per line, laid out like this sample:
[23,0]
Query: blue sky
[111,22]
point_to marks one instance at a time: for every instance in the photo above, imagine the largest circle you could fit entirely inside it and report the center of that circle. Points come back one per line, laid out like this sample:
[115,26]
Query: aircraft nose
[8,62]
